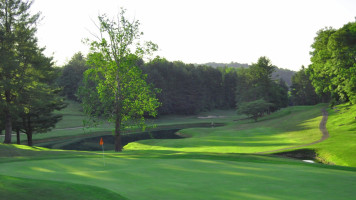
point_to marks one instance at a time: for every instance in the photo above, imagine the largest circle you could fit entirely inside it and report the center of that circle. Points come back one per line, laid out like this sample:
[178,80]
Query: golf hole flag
[102,145]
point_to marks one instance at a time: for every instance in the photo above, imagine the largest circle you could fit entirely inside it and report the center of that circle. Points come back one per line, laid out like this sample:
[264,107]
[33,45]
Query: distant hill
[232,64]
[284,74]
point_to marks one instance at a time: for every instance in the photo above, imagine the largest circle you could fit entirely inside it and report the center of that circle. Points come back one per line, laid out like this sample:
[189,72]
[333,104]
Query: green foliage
[256,83]
[189,89]
[72,76]
[302,90]
[36,112]
[120,93]
[25,73]
[333,66]
[254,109]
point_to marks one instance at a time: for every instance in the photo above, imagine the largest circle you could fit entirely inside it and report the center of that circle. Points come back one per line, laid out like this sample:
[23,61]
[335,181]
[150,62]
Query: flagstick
[103,154]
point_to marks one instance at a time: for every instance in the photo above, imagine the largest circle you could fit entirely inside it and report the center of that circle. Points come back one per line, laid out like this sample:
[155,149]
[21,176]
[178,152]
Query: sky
[199,31]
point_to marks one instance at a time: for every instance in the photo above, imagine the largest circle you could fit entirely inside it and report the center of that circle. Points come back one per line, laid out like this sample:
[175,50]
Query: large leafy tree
[18,45]
[120,87]
[333,65]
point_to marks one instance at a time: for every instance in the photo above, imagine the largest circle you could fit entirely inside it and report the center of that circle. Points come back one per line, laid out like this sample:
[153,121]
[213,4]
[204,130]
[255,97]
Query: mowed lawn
[289,127]
[134,177]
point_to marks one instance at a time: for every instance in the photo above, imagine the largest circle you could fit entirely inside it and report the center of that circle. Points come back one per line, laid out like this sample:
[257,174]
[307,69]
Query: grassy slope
[290,127]
[340,148]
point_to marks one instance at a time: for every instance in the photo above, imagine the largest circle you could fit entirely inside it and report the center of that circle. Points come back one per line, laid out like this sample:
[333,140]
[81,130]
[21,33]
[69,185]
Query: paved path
[322,127]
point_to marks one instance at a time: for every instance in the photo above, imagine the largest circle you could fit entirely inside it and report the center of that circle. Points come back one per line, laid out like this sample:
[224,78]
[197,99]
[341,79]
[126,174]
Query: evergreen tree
[25,73]
[18,44]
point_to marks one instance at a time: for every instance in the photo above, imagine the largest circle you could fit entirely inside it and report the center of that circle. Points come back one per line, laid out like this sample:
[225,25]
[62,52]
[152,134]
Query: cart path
[322,127]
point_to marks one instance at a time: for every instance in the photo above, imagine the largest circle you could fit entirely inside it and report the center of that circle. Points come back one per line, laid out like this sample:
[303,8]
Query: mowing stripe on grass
[193,178]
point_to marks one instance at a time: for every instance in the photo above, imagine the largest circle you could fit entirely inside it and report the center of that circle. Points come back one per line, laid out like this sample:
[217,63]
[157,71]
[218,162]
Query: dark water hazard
[92,143]
[300,154]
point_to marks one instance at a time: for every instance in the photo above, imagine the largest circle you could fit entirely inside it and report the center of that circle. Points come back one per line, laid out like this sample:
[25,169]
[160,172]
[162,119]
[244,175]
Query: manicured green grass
[162,178]
[73,116]
[340,148]
[290,127]
[14,188]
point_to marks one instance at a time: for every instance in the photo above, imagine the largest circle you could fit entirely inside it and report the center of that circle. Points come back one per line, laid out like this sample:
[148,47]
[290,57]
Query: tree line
[189,89]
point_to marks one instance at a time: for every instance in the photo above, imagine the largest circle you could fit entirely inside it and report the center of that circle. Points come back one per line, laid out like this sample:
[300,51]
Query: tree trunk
[18,136]
[29,131]
[8,127]
[118,145]
[29,138]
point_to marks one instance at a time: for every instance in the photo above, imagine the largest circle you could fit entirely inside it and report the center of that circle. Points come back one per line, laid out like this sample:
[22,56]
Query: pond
[91,143]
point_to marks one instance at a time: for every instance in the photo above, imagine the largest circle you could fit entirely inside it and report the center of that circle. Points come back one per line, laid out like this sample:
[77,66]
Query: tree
[254,109]
[72,76]
[333,66]
[279,93]
[120,86]
[302,90]
[18,44]
[36,111]
[257,81]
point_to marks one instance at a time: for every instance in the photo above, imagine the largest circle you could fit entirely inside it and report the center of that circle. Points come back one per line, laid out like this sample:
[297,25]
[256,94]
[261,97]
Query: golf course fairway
[192,178]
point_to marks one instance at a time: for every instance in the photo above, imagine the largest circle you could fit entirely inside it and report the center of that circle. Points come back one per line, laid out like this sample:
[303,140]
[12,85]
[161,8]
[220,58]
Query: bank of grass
[340,148]
[289,127]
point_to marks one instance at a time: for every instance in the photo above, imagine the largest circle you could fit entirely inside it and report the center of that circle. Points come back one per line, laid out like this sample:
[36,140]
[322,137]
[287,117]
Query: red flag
[101,141]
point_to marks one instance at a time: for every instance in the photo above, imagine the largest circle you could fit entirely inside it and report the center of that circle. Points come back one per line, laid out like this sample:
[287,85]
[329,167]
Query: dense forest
[189,89]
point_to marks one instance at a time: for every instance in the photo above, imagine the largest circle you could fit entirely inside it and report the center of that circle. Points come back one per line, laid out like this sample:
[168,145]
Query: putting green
[156,178]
